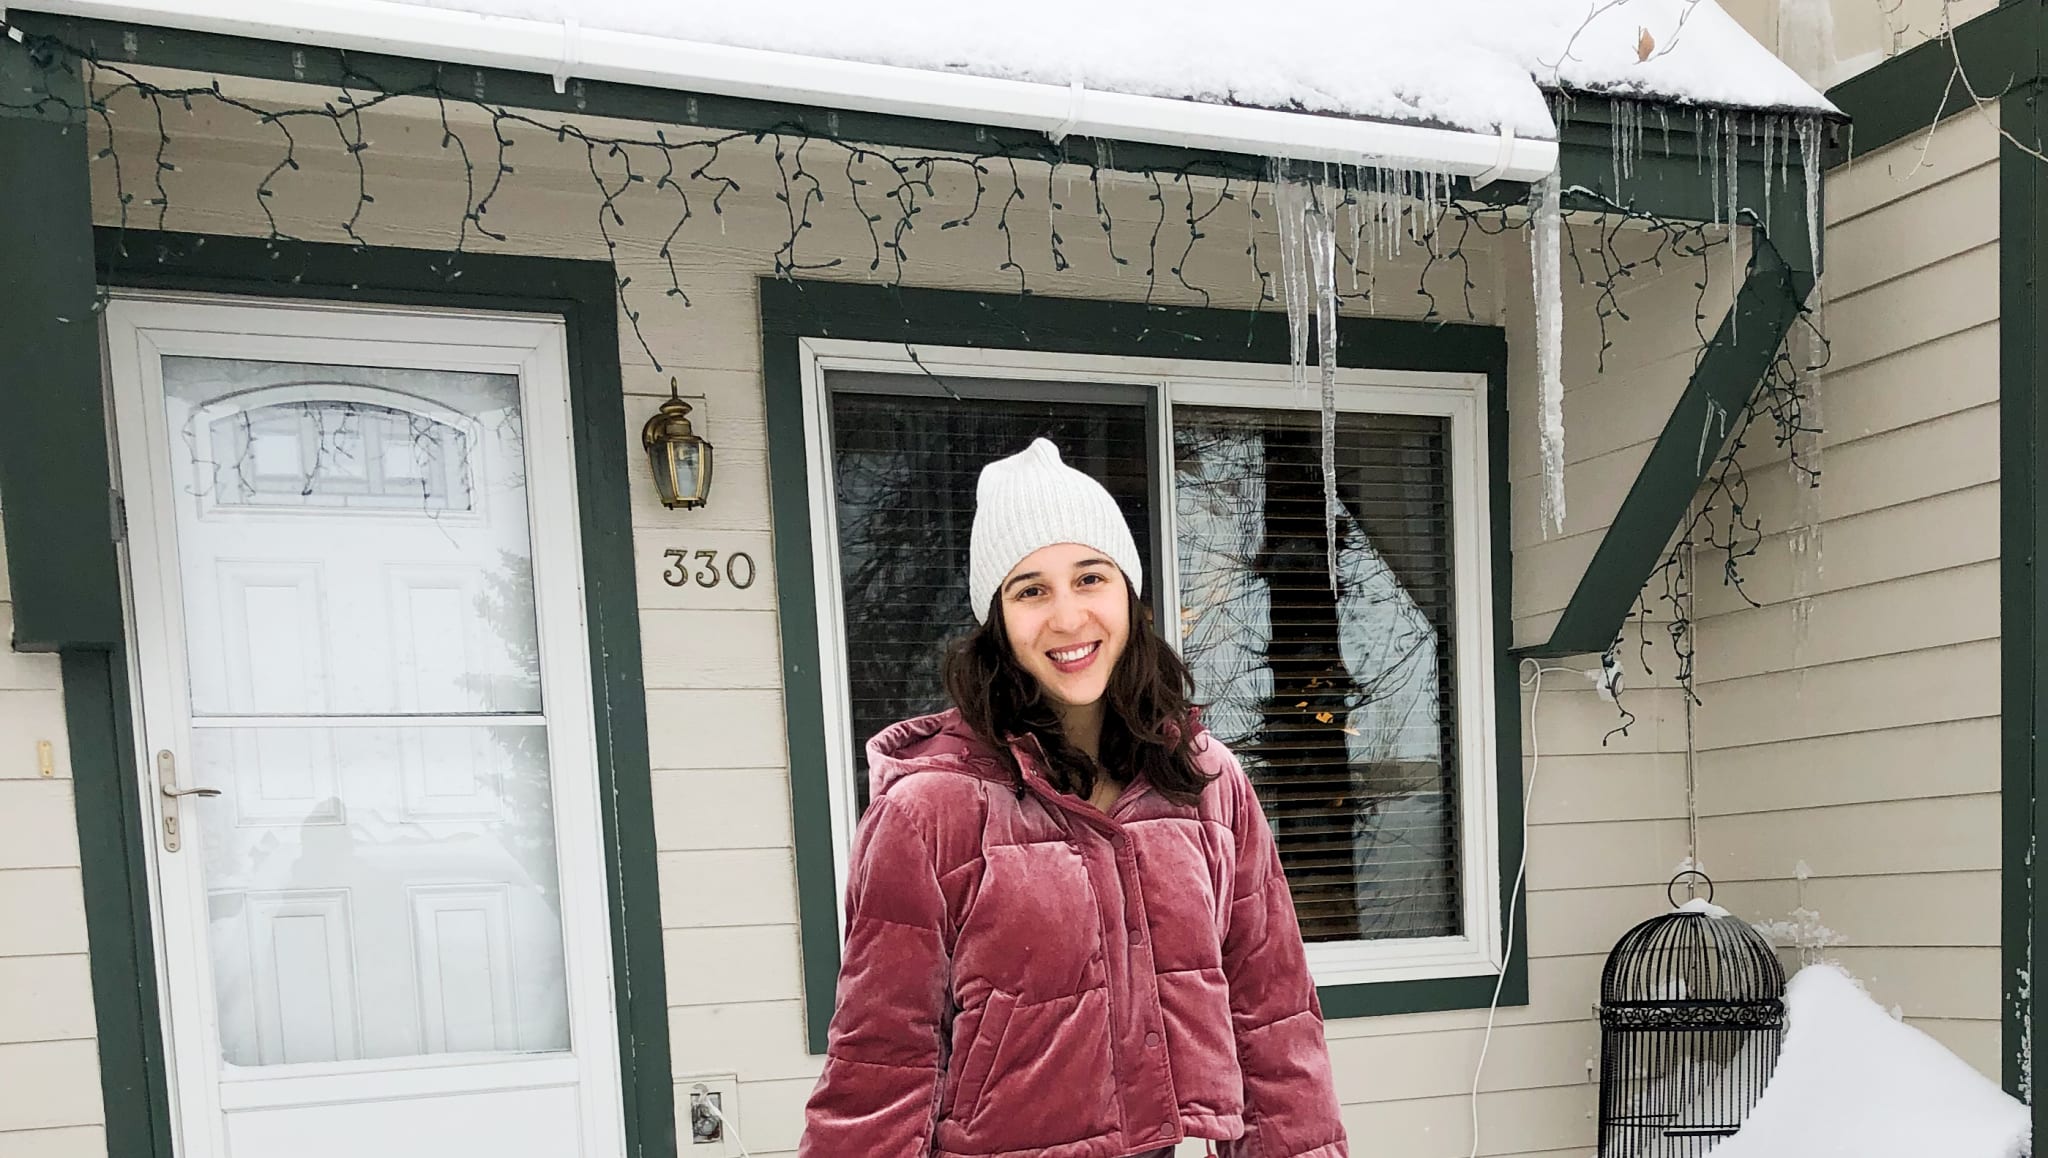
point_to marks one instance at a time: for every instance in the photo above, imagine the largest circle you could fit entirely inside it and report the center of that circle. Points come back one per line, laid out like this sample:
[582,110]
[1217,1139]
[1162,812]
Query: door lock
[167,785]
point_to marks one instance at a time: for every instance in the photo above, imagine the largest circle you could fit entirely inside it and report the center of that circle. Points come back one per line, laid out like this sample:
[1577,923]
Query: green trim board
[2023,589]
[582,293]
[112,841]
[793,310]
[1675,164]
[1998,52]
[66,588]
[1728,374]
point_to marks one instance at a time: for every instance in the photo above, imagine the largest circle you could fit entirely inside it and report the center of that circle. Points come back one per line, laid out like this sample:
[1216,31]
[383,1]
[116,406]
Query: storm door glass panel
[1339,702]
[356,562]
[905,470]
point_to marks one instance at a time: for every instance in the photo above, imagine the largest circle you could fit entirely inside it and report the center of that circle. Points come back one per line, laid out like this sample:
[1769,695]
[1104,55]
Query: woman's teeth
[1074,653]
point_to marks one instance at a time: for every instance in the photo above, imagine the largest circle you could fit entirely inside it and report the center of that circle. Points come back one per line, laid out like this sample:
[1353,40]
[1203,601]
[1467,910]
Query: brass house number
[702,567]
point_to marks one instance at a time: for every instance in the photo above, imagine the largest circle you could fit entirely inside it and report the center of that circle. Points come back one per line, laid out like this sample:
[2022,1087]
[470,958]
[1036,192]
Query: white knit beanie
[1032,500]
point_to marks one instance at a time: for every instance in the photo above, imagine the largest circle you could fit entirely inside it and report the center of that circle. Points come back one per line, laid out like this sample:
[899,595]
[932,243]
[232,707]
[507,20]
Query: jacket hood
[941,742]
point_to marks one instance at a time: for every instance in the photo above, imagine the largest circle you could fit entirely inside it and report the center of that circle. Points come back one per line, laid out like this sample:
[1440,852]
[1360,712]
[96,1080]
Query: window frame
[793,311]
[1167,383]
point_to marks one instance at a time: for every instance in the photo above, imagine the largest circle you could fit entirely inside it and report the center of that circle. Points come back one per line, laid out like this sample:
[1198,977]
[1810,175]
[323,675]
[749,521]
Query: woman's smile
[1077,658]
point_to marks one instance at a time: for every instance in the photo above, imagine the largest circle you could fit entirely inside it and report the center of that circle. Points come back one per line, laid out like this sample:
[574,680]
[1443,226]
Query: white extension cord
[1608,680]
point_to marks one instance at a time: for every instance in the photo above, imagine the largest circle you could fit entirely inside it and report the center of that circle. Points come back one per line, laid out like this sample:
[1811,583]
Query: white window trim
[1460,397]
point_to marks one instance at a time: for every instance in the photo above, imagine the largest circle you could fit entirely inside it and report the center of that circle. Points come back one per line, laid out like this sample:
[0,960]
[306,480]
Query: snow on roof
[1477,65]
[1853,1080]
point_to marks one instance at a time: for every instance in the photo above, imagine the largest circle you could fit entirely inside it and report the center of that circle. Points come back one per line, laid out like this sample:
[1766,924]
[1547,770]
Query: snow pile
[1851,1081]
[1478,65]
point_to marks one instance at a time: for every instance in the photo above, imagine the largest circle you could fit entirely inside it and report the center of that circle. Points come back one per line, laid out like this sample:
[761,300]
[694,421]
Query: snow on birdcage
[1692,1013]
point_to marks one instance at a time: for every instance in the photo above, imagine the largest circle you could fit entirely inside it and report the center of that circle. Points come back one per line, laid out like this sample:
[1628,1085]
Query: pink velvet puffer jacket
[1031,978]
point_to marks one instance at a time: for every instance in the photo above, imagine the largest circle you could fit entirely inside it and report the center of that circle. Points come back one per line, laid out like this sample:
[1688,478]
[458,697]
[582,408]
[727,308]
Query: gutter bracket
[572,52]
[1501,161]
[1075,94]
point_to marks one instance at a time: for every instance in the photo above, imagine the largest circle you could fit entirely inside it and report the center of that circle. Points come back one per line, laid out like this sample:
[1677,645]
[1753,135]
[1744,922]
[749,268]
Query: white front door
[357,614]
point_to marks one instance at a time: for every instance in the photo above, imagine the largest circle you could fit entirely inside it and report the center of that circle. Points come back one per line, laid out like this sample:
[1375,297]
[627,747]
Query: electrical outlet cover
[726,1090]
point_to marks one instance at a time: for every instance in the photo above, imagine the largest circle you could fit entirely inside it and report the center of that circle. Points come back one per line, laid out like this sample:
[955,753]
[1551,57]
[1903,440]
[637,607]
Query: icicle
[1320,227]
[1307,213]
[1767,123]
[1713,134]
[1358,207]
[1614,149]
[1290,197]
[1664,125]
[1732,154]
[1546,258]
[1809,161]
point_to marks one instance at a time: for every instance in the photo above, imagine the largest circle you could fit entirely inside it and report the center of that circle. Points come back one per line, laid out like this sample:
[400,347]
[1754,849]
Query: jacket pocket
[981,1054]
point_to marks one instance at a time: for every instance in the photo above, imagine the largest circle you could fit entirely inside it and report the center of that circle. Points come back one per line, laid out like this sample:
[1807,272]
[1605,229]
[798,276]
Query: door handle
[167,786]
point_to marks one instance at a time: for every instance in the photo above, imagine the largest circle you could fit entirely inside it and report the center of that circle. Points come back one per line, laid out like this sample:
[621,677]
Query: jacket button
[1151,1041]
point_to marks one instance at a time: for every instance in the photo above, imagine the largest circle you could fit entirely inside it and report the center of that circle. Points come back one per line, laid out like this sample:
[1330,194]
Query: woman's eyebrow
[1016,579]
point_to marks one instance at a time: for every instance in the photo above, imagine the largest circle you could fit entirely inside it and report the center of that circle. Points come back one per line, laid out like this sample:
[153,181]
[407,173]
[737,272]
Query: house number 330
[703,567]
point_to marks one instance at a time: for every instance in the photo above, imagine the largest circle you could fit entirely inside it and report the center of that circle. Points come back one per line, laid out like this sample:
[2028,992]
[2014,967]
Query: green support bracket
[53,449]
[1728,374]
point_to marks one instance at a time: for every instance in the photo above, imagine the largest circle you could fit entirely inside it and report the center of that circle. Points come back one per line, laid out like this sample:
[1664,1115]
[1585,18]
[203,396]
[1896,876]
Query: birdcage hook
[1691,888]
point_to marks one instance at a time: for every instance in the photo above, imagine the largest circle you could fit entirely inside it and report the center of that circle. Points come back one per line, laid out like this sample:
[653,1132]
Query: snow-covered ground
[1854,1081]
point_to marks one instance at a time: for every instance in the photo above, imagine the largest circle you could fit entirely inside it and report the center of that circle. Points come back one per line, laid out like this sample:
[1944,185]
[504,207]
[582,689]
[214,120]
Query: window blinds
[1338,704]
[905,469]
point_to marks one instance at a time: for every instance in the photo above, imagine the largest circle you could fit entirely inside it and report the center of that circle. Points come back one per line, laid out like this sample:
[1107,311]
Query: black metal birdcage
[1692,1011]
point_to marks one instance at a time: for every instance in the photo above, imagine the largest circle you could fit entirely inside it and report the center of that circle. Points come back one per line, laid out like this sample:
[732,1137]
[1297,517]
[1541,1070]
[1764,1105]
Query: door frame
[530,347]
[113,819]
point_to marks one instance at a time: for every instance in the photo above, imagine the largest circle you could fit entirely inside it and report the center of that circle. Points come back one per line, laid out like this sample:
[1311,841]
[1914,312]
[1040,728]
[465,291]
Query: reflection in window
[339,454]
[1338,703]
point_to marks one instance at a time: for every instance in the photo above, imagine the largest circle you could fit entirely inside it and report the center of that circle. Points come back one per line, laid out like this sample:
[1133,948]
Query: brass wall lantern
[681,459]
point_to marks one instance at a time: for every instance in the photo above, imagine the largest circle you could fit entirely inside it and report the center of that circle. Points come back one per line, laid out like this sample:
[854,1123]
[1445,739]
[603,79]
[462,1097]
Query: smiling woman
[1064,889]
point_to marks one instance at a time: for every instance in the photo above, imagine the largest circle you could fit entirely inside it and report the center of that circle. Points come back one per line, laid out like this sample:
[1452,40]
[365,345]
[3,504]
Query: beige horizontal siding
[1849,733]
[49,1071]
[712,661]
[48,1066]
[1607,812]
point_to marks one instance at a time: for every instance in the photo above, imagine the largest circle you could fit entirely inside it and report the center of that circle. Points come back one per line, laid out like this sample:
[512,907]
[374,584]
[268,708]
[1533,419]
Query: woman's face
[1067,612]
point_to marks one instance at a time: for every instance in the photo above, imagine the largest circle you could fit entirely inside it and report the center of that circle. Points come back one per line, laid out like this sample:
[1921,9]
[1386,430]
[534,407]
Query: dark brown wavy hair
[1148,727]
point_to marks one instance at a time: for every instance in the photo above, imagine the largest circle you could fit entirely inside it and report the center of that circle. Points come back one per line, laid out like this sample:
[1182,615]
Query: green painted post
[56,497]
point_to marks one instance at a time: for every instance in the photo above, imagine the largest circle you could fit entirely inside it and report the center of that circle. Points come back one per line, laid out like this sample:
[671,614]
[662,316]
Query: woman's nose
[1069,613]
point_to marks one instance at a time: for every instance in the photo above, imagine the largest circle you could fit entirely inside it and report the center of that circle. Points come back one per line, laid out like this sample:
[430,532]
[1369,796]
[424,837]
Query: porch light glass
[680,458]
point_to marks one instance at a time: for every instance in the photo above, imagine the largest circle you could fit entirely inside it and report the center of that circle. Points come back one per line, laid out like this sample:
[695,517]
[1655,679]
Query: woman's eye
[1092,579]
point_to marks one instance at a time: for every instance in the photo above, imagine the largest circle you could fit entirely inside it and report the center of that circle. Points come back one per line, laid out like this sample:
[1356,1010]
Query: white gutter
[567,50]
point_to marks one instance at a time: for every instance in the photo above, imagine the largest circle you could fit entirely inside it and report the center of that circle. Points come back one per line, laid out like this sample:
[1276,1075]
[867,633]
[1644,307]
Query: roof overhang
[563,50]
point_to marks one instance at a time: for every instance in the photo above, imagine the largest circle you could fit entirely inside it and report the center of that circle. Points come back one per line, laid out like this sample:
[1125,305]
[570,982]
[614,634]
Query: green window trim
[793,310]
[96,699]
